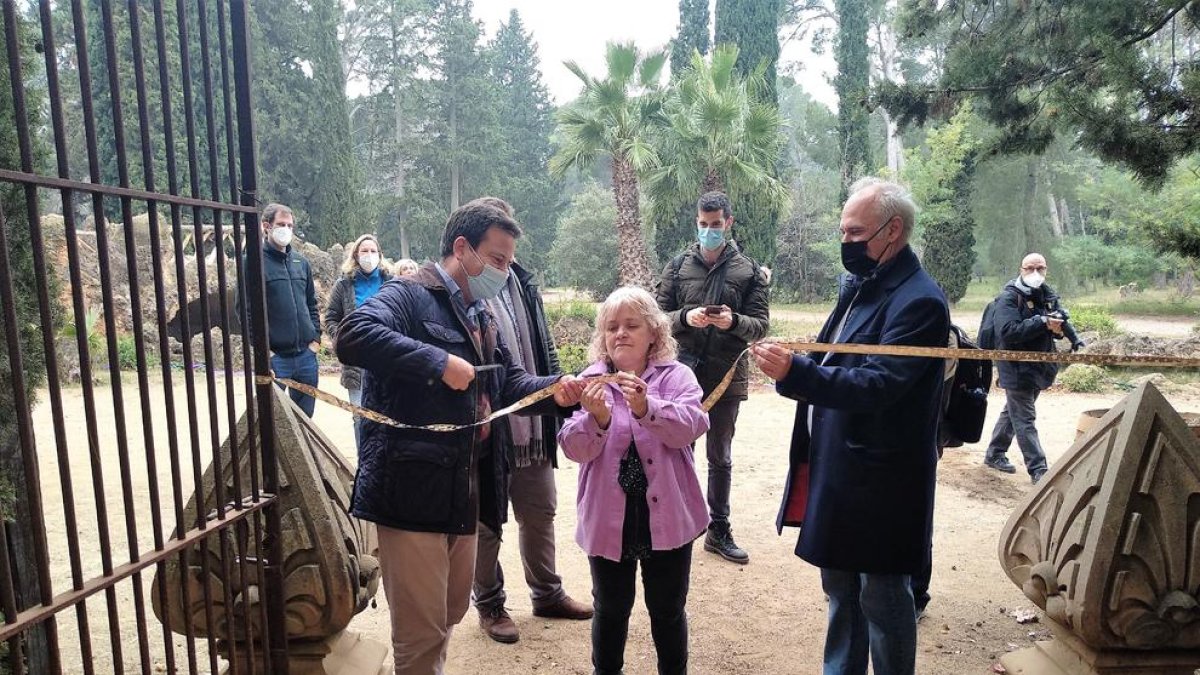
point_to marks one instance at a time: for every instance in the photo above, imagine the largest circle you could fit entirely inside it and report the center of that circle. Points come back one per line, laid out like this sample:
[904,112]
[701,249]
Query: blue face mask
[711,238]
[488,283]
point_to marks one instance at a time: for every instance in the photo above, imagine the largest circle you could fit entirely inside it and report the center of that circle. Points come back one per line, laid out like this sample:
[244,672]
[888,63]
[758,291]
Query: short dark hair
[713,201]
[272,210]
[496,202]
[472,220]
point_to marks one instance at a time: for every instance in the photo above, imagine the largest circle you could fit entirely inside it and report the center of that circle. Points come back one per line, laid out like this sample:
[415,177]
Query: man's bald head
[1034,262]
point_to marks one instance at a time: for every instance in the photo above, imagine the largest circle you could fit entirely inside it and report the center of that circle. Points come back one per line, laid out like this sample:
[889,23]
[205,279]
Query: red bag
[797,498]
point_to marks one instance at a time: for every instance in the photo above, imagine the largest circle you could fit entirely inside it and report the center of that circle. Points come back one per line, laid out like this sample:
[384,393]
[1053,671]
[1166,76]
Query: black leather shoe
[720,541]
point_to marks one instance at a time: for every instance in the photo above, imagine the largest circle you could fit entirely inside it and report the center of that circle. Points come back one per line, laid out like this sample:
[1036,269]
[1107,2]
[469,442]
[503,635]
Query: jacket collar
[601,368]
[869,292]
[728,252]
[276,253]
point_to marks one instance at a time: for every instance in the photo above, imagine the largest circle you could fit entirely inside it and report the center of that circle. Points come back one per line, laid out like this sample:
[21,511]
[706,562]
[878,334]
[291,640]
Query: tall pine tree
[305,156]
[525,115]
[692,36]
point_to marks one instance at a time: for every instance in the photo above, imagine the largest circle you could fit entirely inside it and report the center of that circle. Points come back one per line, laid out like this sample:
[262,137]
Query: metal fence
[102,469]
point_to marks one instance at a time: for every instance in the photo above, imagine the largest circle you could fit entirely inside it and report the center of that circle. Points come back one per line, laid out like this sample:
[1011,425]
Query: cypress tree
[753,25]
[692,35]
[852,84]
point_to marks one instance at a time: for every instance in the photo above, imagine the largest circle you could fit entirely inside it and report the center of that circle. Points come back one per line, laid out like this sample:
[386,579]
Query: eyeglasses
[1034,268]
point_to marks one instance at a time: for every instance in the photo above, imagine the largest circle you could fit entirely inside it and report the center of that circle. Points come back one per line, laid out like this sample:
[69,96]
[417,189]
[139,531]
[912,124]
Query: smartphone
[713,310]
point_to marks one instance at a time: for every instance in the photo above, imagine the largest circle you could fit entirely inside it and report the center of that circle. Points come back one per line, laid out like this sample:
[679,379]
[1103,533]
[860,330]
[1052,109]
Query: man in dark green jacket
[717,300]
[293,324]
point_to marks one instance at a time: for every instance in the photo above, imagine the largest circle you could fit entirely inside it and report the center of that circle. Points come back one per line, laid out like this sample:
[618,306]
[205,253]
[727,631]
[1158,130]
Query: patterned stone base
[1066,655]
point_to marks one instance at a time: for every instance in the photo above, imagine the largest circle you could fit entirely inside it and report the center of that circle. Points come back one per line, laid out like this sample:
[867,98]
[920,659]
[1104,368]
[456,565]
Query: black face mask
[854,254]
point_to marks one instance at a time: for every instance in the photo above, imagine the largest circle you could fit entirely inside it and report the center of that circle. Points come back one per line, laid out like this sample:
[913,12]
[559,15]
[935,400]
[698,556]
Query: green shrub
[127,353]
[572,358]
[579,309]
[1098,319]
[1083,379]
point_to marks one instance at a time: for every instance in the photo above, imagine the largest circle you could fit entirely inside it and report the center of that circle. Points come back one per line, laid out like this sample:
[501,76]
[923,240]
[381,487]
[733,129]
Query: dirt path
[767,617]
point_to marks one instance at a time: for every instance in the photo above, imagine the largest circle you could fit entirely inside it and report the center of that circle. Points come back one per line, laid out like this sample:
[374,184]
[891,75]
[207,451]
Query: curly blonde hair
[350,264]
[662,344]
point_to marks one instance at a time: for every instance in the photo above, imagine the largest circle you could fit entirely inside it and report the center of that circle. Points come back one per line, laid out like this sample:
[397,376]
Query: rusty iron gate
[148,413]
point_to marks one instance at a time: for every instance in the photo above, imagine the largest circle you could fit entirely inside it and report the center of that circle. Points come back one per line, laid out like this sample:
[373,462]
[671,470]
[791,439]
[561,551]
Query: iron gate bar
[117,385]
[247,365]
[135,34]
[202,284]
[177,240]
[63,166]
[219,482]
[272,541]
[24,421]
[236,510]
[46,612]
[8,175]
[226,343]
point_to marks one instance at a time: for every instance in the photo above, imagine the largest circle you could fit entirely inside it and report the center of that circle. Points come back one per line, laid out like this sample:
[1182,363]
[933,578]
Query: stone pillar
[1108,545]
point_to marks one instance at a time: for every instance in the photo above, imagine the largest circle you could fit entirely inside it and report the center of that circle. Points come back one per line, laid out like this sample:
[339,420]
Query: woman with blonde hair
[405,267]
[362,276]
[639,498]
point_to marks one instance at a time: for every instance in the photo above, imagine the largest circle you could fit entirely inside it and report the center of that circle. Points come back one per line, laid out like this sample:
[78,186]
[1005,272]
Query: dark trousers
[869,614]
[302,368]
[719,446]
[1018,418]
[665,577]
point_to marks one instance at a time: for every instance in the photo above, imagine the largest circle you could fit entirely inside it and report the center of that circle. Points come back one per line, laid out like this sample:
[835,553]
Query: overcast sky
[578,30]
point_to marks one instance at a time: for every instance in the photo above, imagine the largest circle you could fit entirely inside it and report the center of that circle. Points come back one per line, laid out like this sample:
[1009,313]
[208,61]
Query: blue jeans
[302,368]
[869,614]
[355,396]
[1018,418]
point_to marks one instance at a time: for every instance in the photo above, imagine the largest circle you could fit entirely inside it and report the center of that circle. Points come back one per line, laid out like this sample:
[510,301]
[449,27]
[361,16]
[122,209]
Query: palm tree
[612,118]
[719,135]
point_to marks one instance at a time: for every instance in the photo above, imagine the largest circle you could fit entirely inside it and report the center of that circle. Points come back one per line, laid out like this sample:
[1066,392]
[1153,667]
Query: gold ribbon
[1143,360]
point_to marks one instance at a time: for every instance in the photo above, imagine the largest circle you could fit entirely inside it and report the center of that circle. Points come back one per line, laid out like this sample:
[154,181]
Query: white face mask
[1033,280]
[282,236]
[368,262]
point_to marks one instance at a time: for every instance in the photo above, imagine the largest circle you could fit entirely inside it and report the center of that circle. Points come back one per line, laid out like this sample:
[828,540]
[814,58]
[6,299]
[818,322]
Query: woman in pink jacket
[639,498]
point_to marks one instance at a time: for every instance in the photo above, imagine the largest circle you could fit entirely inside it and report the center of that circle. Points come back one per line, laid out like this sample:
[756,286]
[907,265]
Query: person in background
[293,324]
[521,322]
[362,276]
[406,267]
[1027,318]
[717,298]
[639,500]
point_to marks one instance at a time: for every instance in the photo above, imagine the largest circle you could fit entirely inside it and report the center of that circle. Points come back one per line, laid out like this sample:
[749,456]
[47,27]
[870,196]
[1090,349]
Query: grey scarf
[512,320]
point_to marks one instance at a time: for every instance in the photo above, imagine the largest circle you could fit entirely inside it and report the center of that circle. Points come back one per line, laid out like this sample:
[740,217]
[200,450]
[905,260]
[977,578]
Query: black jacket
[292,319]
[543,350]
[419,480]
[1018,319]
[341,303]
[734,280]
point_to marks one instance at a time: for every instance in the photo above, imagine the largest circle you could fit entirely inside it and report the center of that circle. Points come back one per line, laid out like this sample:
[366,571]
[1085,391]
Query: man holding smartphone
[717,300]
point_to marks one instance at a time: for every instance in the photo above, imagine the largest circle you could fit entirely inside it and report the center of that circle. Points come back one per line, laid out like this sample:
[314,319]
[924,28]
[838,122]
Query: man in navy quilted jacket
[431,354]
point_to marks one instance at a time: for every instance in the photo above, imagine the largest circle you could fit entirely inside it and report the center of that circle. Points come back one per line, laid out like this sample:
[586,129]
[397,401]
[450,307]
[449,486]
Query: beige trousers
[427,580]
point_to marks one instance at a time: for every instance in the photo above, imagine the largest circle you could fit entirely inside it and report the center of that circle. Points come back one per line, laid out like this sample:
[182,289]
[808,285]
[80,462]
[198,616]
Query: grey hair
[891,199]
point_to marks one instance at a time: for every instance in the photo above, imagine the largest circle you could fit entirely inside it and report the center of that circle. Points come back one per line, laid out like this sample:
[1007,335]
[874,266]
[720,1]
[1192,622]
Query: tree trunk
[713,182]
[1064,213]
[631,245]
[399,137]
[895,144]
[454,168]
[1055,221]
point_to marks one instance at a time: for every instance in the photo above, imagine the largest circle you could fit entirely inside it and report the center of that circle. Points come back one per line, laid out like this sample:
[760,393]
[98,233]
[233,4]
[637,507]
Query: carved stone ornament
[1108,545]
[329,572]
